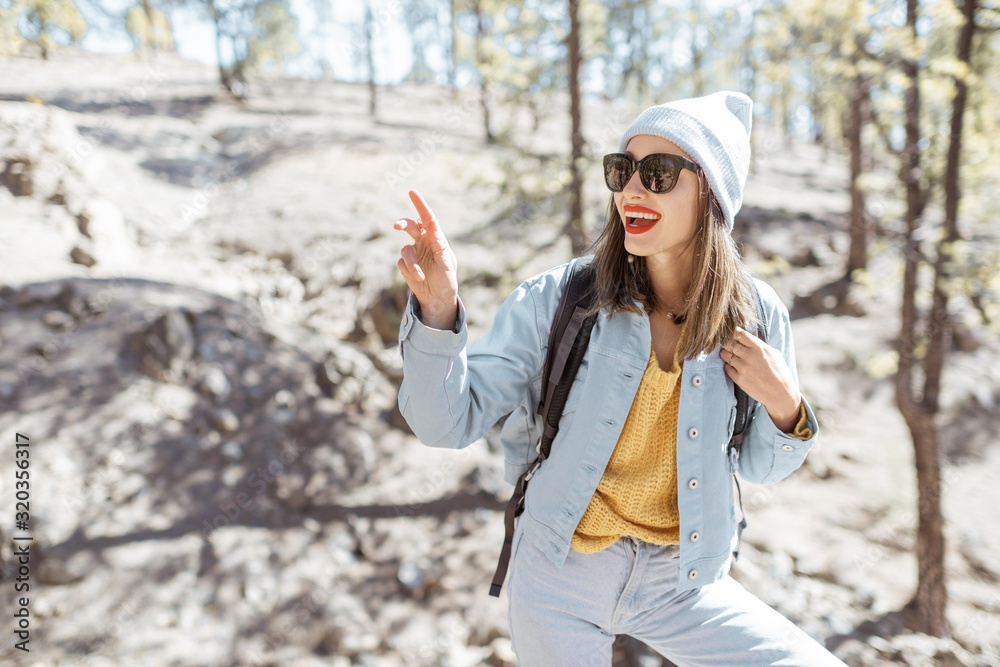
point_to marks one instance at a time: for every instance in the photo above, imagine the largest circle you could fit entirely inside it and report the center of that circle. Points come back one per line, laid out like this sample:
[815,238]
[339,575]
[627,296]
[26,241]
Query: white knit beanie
[715,131]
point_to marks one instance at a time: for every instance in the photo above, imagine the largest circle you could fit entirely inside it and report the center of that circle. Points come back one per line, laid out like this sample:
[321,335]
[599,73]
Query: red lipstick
[639,219]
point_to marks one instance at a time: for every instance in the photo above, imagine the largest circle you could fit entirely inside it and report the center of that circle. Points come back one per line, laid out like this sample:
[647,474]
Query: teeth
[647,216]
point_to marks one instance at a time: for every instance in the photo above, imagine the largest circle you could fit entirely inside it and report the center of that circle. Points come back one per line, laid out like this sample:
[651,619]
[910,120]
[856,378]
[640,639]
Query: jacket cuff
[432,341]
[793,444]
[801,430]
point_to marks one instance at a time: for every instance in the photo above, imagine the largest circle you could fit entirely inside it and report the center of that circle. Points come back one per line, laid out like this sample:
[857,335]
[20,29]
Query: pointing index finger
[424,211]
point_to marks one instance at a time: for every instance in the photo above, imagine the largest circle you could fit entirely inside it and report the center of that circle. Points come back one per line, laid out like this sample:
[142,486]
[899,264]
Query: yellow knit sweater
[637,494]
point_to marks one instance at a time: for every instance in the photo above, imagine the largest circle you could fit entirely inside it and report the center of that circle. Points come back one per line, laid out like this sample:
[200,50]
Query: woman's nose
[634,187]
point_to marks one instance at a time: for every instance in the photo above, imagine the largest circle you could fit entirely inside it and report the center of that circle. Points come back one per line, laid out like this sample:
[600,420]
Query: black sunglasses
[658,172]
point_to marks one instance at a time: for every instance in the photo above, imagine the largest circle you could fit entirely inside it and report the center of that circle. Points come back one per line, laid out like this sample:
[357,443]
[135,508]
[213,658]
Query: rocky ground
[197,331]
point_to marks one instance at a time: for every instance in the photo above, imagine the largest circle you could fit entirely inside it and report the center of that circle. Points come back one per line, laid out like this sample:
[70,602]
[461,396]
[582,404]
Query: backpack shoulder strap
[568,341]
[744,409]
[574,302]
[744,404]
[569,337]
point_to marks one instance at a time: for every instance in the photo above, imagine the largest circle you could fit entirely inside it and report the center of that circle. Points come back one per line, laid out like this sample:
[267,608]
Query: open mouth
[640,219]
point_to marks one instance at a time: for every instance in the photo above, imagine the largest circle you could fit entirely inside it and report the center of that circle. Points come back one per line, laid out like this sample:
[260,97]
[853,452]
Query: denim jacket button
[695,536]
[787,448]
[693,433]
[697,381]
[693,484]
[693,574]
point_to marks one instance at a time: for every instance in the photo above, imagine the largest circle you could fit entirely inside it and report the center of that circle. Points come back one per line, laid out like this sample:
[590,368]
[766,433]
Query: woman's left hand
[762,373]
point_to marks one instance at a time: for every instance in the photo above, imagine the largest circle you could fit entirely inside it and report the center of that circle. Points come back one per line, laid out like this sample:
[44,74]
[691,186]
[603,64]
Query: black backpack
[568,341]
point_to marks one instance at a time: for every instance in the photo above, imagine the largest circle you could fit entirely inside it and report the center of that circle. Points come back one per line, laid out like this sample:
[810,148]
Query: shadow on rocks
[183,406]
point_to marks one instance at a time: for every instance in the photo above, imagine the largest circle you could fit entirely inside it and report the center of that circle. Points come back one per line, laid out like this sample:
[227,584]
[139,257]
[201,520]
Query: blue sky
[339,36]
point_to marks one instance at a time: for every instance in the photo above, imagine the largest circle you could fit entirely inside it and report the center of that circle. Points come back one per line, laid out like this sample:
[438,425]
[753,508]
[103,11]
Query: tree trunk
[452,58]
[369,52]
[929,601]
[857,258]
[786,112]
[224,78]
[816,102]
[697,55]
[481,60]
[940,329]
[147,9]
[631,67]
[576,233]
[750,83]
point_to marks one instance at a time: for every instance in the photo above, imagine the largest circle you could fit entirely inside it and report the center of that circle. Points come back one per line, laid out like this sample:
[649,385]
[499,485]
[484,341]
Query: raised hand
[429,266]
[762,373]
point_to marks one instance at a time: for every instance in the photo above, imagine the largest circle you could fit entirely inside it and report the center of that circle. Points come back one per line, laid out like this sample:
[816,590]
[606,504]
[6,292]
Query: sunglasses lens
[658,174]
[617,171]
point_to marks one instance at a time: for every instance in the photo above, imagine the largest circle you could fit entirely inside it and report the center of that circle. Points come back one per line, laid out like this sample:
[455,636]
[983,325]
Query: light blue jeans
[568,616]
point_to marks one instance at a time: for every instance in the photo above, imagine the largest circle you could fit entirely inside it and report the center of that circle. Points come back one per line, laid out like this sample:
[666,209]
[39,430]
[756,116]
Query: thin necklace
[676,319]
[665,338]
[673,317]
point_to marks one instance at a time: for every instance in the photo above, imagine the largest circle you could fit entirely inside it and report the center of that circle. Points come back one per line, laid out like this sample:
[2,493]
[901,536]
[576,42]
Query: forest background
[877,173]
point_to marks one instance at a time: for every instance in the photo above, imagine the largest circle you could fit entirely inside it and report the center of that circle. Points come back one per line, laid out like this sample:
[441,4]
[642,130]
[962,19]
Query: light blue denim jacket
[451,396]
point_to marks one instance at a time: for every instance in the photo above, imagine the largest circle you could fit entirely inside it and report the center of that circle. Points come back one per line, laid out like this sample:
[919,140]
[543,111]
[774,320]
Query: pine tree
[39,22]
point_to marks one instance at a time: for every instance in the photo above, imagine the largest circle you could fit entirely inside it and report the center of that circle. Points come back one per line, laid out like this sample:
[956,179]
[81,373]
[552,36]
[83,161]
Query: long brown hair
[719,298]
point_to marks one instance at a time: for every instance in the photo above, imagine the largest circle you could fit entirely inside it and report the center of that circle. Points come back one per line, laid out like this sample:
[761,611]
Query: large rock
[80,256]
[17,176]
[386,311]
[58,569]
[39,148]
[349,377]
[165,347]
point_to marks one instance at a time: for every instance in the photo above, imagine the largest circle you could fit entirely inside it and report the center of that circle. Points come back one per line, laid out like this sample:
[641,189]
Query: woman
[629,527]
